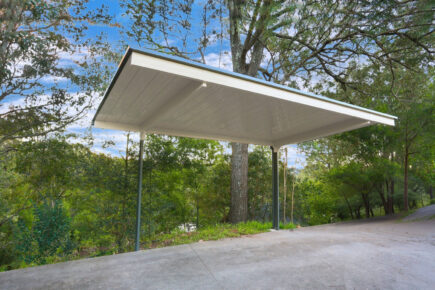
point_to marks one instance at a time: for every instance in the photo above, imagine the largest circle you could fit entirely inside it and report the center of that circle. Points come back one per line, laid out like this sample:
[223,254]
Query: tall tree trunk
[349,207]
[358,212]
[366,204]
[123,228]
[197,214]
[405,180]
[430,192]
[150,173]
[284,204]
[239,55]
[389,186]
[392,195]
[293,200]
[239,183]
[382,196]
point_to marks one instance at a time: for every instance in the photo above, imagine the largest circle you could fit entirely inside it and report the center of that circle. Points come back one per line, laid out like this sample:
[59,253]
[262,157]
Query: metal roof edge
[112,82]
[249,78]
[225,72]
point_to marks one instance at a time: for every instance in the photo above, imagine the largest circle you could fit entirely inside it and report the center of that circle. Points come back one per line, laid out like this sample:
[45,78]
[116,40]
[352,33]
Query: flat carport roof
[156,93]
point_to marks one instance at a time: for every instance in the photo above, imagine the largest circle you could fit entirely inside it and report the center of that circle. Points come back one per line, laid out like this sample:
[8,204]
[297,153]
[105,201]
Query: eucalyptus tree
[416,99]
[393,151]
[283,41]
[50,69]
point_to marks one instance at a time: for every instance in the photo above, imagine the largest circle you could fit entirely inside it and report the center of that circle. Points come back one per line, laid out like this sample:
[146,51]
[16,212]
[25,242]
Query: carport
[156,93]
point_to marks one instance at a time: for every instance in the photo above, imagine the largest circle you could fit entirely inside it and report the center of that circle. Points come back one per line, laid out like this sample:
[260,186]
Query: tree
[400,92]
[409,96]
[49,165]
[49,71]
[283,41]
[284,204]
[260,182]
[293,199]
[49,233]
[415,93]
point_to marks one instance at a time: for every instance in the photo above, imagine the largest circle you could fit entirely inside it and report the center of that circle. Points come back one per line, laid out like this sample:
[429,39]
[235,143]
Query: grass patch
[217,232]
[288,226]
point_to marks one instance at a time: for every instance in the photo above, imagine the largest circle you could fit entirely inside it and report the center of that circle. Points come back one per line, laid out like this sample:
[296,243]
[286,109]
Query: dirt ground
[424,213]
[382,253]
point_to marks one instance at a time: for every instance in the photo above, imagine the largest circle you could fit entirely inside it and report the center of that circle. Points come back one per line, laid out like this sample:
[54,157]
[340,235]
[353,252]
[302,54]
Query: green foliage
[260,183]
[288,226]
[39,42]
[49,234]
[385,167]
[323,36]
[316,205]
[215,232]
[185,181]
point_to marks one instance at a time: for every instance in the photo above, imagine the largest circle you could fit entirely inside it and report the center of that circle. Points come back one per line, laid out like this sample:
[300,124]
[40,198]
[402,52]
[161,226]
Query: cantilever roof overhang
[155,93]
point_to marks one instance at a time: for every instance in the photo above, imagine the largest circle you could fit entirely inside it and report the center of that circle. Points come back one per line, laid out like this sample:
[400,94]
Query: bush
[288,226]
[49,234]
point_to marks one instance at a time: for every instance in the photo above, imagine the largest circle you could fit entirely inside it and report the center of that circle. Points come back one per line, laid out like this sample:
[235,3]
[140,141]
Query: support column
[139,193]
[275,189]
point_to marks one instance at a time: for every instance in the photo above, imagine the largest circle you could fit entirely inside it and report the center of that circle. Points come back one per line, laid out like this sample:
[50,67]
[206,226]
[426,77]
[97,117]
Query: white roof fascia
[207,76]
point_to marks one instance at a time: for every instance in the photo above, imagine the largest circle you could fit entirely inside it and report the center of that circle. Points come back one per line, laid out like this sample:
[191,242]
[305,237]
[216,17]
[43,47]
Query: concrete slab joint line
[203,263]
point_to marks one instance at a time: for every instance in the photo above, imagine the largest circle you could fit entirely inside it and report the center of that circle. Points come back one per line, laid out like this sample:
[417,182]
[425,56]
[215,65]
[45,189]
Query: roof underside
[152,93]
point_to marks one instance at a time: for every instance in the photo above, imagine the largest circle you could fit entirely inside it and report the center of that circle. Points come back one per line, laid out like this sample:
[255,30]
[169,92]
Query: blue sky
[216,55]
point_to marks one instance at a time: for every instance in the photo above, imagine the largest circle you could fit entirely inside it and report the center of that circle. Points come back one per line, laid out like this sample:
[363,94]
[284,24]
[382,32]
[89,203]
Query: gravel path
[423,213]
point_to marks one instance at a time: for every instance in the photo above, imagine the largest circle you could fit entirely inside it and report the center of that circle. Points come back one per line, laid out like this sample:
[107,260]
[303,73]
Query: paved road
[377,254]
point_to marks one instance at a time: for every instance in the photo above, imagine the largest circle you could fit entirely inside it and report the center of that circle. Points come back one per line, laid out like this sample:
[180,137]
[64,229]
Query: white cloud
[69,58]
[167,42]
[102,139]
[119,138]
[222,60]
[6,105]
[295,157]
[53,79]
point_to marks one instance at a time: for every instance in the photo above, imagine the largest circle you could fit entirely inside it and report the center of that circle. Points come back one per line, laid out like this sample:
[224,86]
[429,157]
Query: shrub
[48,235]
[288,226]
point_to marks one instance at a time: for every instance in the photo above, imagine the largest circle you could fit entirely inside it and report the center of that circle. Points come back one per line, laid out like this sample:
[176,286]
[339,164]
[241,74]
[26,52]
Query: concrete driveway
[376,254]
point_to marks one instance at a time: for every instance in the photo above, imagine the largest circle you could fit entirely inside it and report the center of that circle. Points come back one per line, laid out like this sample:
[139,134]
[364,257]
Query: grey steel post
[139,194]
[275,189]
